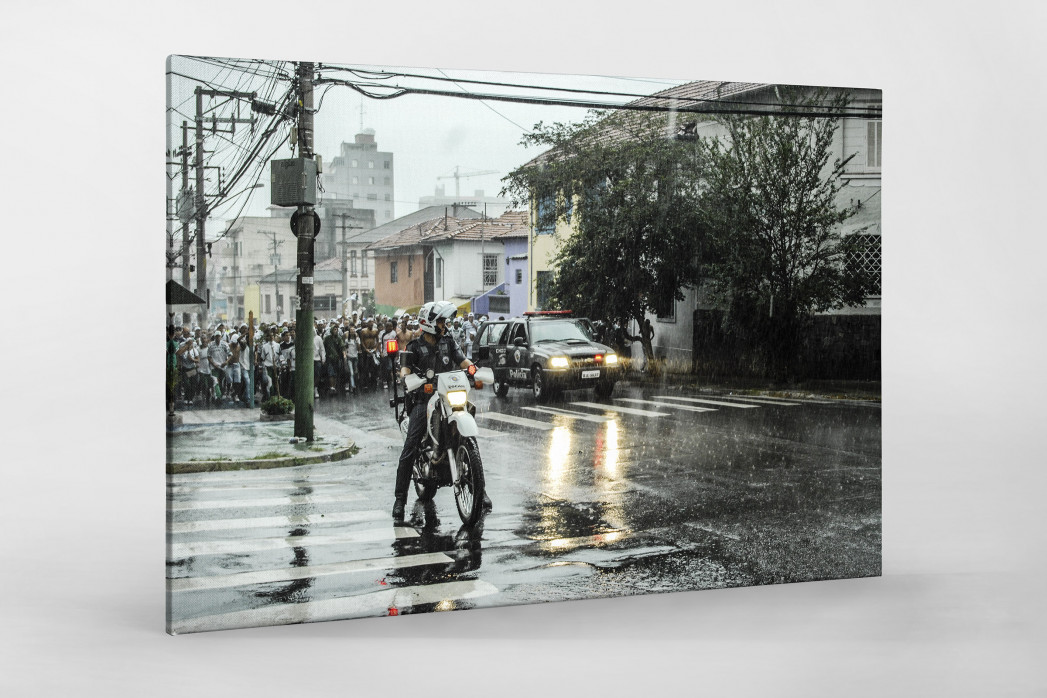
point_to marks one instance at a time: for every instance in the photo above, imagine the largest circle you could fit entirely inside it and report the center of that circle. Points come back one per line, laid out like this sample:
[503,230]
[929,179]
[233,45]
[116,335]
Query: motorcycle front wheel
[469,492]
[424,483]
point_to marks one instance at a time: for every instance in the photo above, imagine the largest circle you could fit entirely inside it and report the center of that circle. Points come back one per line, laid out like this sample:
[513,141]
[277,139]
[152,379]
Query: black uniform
[419,357]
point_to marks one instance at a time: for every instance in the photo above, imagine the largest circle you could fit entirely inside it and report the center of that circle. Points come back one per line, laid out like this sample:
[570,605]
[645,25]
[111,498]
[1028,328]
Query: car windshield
[558,330]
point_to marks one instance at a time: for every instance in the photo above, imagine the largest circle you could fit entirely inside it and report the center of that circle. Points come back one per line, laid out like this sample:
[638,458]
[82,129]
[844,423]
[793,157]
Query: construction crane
[457,175]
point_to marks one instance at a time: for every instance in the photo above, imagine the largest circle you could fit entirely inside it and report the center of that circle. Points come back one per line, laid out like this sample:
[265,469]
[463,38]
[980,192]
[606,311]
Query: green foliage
[277,405]
[769,199]
[629,191]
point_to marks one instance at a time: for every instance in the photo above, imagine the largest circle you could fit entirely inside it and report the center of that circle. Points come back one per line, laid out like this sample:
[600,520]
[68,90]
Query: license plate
[591,374]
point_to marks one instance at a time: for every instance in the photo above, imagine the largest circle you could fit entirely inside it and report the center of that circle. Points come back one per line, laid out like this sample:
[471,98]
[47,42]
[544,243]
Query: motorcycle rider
[435,350]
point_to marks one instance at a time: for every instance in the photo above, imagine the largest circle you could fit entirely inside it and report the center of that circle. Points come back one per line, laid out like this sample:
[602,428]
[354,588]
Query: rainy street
[656,489]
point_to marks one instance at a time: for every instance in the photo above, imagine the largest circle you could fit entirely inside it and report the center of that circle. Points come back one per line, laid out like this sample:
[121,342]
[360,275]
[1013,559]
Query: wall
[409,289]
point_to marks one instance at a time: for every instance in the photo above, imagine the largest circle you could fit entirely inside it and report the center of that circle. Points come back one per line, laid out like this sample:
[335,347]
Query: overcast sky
[429,136]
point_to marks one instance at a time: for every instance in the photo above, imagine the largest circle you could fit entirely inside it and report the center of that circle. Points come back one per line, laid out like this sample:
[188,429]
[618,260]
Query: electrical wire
[385,75]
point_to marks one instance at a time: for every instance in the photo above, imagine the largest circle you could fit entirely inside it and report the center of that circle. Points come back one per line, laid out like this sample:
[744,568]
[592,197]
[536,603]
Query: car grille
[583,361]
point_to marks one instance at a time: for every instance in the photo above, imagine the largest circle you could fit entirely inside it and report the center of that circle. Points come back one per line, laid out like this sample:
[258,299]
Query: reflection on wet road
[649,491]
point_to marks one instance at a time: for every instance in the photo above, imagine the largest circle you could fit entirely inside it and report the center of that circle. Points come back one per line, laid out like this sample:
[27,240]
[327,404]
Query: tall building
[364,175]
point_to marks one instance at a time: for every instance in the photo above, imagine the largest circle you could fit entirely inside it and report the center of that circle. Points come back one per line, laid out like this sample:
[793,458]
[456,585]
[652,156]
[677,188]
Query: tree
[628,189]
[769,201]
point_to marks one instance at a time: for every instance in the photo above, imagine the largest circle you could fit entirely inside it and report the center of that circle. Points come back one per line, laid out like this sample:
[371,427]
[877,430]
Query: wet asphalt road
[654,490]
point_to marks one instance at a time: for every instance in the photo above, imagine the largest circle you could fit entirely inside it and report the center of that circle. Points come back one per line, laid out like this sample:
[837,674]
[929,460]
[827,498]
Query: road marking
[707,402]
[275,521]
[762,401]
[520,421]
[180,551]
[290,500]
[288,574]
[190,489]
[576,415]
[249,477]
[655,403]
[376,603]
[624,410]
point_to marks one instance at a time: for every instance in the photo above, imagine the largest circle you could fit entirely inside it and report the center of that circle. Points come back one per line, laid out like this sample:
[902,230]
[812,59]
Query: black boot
[398,509]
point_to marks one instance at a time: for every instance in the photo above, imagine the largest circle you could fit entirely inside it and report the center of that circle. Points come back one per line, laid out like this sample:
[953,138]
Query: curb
[212,466]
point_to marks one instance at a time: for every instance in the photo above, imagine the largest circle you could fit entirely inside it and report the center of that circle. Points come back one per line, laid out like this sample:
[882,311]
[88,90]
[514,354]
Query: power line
[385,75]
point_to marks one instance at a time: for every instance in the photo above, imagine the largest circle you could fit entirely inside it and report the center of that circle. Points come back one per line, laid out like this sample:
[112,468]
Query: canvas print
[444,339]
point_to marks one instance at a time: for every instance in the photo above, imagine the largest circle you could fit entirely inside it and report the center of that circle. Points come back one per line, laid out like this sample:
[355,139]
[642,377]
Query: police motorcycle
[449,455]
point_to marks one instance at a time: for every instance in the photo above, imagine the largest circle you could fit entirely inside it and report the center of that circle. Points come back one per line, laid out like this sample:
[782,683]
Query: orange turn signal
[428,390]
[478,385]
[391,346]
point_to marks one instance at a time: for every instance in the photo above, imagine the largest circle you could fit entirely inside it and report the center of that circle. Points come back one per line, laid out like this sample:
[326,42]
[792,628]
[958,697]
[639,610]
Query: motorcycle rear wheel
[469,492]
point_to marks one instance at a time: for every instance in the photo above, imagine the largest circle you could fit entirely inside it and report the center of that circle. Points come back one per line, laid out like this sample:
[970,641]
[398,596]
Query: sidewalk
[237,439]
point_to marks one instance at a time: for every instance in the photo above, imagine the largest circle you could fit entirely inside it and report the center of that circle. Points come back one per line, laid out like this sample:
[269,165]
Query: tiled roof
[403,222]
[698,94]
[509,224]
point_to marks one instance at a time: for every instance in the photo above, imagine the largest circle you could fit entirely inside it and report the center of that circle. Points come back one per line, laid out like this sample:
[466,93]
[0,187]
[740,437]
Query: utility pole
[200,201]
[306,333]
[344,253]
[200,210]
[182,215]
[274,259]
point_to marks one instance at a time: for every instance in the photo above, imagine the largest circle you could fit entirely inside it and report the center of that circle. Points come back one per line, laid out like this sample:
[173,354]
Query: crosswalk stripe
[619,408]
[190,489]
[287,574]
[372,604]
[706,402]
[230,524]
[520,421]
[290,500]
[760,400]
[576,415]
[655,403]
[180,551]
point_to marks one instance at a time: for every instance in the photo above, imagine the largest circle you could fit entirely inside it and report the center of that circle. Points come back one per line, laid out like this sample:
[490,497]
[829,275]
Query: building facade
[859,136]
[362,174]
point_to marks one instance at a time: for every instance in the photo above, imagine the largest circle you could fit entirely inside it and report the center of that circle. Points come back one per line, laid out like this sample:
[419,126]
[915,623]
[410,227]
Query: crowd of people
[211,367]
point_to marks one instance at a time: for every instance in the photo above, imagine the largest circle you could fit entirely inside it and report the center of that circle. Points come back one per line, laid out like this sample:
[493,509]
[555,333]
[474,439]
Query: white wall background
[960,609]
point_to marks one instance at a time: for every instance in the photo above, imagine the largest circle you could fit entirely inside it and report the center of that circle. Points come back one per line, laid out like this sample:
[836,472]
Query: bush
[278,405]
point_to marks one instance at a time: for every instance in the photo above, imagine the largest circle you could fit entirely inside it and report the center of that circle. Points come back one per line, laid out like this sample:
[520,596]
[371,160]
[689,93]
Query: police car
[546,352]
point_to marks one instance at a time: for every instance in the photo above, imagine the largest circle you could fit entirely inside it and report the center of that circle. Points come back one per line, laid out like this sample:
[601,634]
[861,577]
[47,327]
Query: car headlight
[457,398]
[558,362]
[610,359]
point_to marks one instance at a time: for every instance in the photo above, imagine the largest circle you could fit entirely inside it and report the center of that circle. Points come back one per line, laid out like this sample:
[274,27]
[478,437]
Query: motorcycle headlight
[558,362]
[610,359]
[457,398]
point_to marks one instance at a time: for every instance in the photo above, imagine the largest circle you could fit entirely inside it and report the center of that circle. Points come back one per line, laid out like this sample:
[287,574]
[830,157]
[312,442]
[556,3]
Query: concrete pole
[200,210]
[305,333]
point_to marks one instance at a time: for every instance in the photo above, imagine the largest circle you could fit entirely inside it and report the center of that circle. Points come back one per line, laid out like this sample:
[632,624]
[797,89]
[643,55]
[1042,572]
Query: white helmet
[430,313]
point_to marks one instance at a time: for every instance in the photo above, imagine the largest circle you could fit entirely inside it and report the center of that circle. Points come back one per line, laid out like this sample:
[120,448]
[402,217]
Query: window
[543,289]
[439,273]
[356,163]
[545,208]
[372,197]
[392,272]
[866,259]
[325,303]
[370,163]
[490,270]
[386,166]
[519,276]
[268,303]
[410,267]
[356,180]
[388,181]
[352,263]
[670,316]
[370,180]
[874,143]
[363,264]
